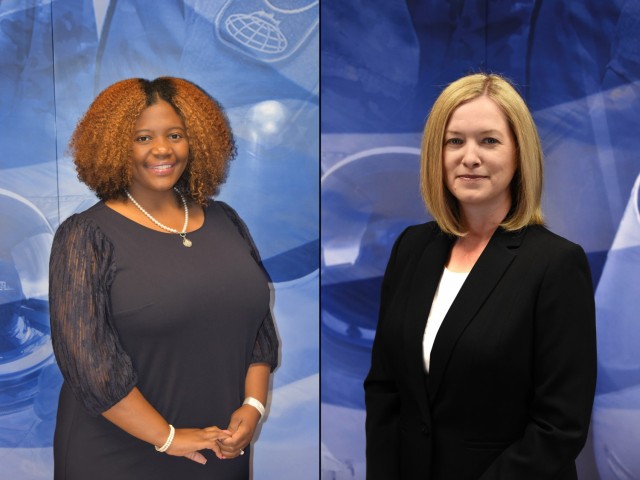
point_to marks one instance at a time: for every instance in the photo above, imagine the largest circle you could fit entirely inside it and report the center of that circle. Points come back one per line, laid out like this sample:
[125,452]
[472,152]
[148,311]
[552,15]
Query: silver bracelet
[255,403]
[167,444]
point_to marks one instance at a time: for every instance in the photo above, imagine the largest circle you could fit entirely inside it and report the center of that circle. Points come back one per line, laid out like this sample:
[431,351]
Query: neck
[482,222]
[155,201]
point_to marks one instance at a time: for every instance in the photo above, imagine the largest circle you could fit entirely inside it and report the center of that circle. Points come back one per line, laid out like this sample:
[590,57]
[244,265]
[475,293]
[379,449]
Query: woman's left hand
[242,427]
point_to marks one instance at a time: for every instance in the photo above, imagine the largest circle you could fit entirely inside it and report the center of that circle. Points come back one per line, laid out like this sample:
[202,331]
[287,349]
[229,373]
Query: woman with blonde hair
[484,360]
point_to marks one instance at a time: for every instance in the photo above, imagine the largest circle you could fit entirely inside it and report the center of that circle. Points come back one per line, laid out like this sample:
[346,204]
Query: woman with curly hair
[160,312]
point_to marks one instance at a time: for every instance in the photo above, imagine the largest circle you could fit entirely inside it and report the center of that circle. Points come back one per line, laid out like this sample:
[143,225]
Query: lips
[161,168]
[472,177]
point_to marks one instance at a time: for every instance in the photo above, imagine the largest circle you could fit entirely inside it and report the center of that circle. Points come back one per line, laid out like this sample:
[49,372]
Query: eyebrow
[483,132]
[177,127]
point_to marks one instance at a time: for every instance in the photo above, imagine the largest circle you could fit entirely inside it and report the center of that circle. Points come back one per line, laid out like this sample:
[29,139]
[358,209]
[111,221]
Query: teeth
[161,167]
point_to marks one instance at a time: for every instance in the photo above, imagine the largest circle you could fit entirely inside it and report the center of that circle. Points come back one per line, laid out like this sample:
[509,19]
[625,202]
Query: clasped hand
[225,444]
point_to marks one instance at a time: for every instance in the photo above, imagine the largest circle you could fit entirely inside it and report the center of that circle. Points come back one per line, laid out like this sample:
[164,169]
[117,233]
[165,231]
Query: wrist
[168,442]
[255,403]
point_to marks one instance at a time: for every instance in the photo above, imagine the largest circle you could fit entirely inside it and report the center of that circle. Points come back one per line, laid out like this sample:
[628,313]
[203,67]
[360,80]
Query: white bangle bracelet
[167,444]
[255,403]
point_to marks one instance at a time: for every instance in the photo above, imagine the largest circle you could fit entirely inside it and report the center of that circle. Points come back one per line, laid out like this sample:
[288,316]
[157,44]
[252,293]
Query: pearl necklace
[185,241]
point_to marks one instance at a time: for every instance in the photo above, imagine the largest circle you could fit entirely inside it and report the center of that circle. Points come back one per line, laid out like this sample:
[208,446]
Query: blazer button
[425,430]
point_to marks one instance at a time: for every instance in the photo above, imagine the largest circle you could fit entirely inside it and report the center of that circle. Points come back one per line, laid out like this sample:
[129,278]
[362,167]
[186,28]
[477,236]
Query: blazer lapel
[423,287]
[485,274]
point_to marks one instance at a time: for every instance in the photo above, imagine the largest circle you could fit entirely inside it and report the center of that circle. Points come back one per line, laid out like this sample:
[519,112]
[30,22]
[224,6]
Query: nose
[160,147]
[471,155]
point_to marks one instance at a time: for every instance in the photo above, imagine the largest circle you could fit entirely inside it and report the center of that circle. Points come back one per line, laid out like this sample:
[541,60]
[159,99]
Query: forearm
[256,382]
[136,416]
[246,417]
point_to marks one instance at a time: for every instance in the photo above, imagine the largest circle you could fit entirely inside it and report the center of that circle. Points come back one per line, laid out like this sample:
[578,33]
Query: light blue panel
[616,413]
[29,380]
[577,64]
[288,444]
[259,58]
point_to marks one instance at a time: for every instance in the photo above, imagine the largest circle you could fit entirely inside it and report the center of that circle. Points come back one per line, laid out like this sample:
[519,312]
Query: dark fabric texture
[513,366]
[131,306]
[265,349]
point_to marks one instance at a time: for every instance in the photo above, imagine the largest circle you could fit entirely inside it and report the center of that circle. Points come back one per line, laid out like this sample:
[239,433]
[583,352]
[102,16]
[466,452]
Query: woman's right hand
[188,441]
[137,417]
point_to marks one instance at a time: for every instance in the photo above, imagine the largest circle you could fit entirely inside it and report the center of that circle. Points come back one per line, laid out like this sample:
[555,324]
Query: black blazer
[512,370]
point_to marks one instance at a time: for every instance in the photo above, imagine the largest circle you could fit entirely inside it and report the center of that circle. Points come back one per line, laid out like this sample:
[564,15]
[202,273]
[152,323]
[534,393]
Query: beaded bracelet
[167,444]
[255,403]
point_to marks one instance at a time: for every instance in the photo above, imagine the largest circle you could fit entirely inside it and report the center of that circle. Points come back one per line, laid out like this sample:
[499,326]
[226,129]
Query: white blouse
[448,288]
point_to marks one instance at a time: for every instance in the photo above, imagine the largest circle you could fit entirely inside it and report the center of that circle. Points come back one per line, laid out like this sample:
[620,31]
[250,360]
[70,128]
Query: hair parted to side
[101,144]
[526,186]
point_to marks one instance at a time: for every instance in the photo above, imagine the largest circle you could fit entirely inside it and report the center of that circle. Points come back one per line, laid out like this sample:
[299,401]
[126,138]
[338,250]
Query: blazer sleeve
[382,397]
[564,374]
[87,348]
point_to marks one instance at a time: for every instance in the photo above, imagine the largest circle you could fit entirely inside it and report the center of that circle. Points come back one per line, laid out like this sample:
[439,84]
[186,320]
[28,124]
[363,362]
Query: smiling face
[479,157]
[160,150]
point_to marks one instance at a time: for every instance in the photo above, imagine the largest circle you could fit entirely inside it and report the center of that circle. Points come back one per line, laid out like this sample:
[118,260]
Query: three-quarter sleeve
[86,345]
[265,349]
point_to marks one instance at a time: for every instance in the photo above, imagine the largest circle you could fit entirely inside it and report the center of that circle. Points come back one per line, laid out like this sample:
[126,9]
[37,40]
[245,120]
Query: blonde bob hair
[526,186]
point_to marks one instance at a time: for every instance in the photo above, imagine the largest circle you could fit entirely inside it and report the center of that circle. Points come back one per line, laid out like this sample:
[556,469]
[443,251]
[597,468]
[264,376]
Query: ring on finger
[241,452]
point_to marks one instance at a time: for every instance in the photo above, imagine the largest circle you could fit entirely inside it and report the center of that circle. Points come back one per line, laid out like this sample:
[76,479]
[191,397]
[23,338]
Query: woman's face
[479,156]
[160,149]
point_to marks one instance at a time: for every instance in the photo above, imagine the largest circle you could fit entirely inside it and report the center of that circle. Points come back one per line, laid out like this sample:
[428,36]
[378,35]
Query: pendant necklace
[185,241]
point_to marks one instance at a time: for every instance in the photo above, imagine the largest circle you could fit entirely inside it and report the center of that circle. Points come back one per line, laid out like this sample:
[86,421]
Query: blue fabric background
[577,64]
[54,59]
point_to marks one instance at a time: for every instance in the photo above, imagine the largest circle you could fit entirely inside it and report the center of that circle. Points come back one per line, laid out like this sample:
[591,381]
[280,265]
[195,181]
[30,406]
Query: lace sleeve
[265,350]
[86,346]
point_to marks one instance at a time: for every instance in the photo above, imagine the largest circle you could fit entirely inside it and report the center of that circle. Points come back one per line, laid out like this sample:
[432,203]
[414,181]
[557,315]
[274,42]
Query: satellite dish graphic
[29,379]
[25,345]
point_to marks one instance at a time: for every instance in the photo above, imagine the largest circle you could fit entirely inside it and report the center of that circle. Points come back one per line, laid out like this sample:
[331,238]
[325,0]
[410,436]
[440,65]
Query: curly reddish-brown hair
[102,142]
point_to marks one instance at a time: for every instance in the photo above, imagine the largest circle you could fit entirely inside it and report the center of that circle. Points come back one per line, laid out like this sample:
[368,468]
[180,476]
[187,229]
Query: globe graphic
[258,31]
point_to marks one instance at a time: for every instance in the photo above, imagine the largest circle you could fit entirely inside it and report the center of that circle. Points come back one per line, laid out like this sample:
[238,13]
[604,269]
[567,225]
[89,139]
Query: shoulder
[554,255]
[222,207]
[545,243]
[421,231]
[412,242]
[82,230]
[417,237]
[79,221]
[226,211]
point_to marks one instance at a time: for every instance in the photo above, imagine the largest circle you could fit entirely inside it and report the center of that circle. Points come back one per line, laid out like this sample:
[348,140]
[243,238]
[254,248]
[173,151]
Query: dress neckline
[129,220]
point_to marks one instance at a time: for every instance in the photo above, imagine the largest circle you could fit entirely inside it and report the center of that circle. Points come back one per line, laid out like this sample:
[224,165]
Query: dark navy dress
[131,306]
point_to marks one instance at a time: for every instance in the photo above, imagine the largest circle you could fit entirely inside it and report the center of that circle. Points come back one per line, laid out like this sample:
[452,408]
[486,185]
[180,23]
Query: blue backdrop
[259,58]
[577,64]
